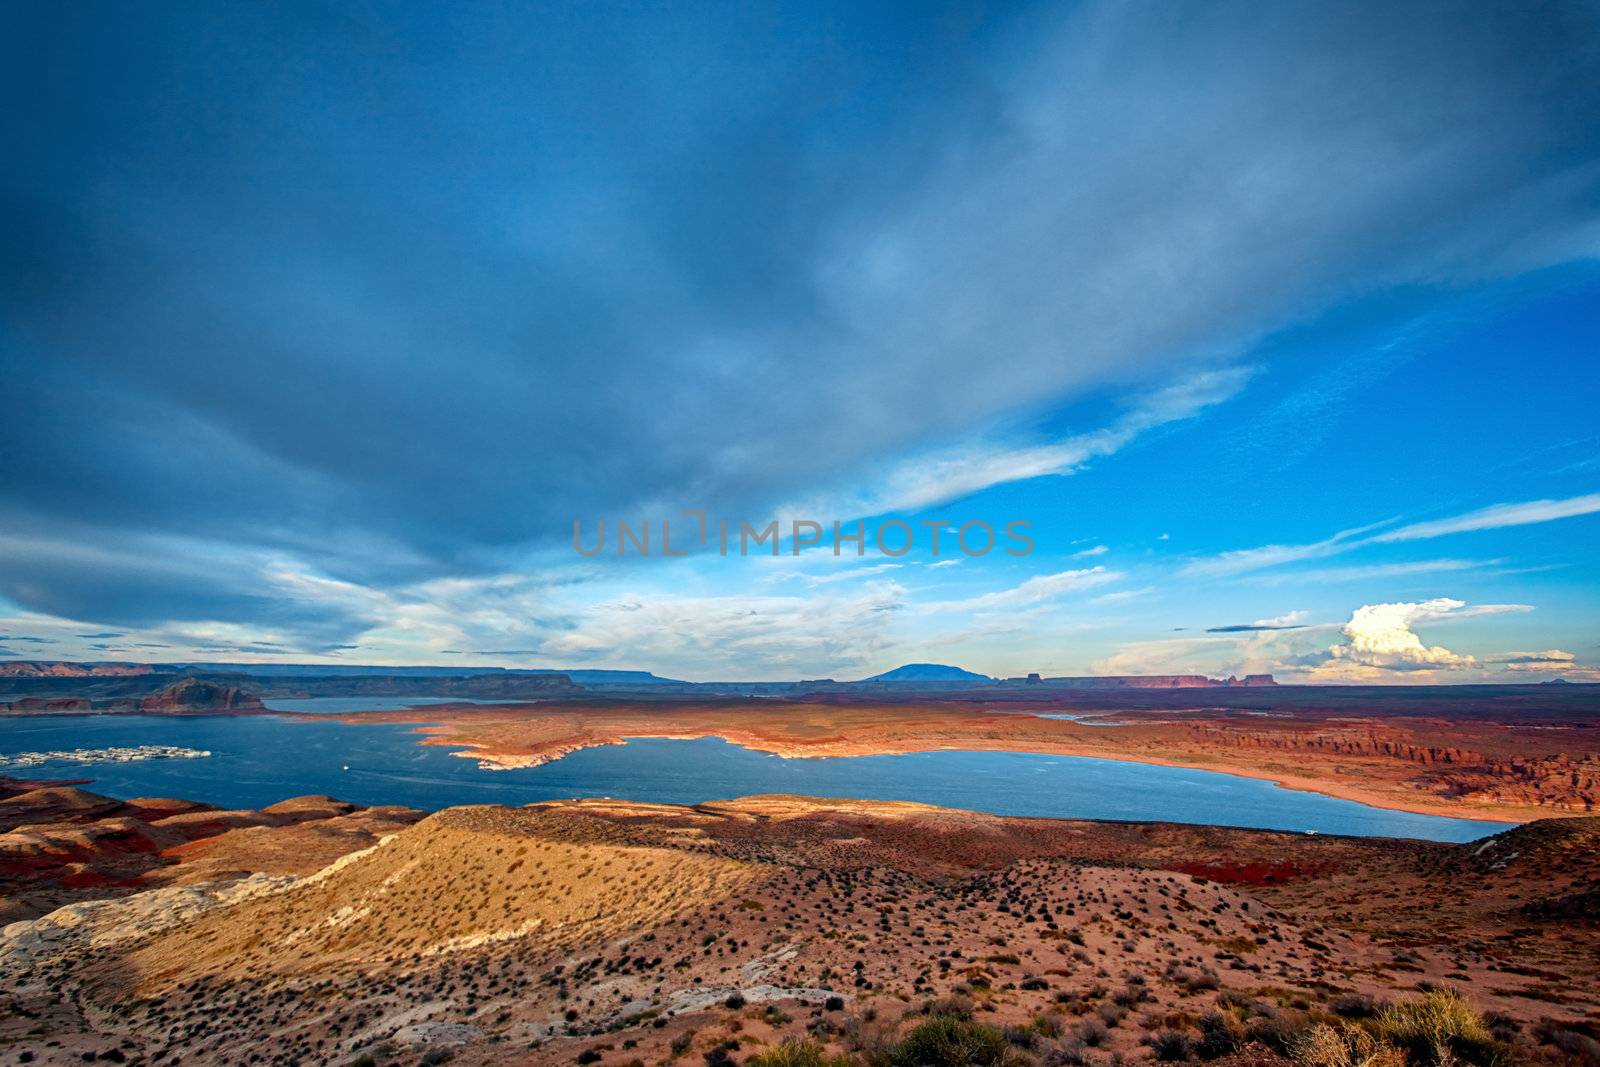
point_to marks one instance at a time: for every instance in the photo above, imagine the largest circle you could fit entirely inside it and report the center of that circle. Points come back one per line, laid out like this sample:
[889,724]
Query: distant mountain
[603,678]
[38,668]
[582,676]
[928,672]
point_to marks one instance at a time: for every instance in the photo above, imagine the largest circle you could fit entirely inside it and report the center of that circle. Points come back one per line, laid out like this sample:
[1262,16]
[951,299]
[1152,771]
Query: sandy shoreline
[496,748]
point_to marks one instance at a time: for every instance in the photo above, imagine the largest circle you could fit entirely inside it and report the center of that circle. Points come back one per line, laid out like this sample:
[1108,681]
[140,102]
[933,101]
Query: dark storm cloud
[1249,627]
[136,581]
[392,291]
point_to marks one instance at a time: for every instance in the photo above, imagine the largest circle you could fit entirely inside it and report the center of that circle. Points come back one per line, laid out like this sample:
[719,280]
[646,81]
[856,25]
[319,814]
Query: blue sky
[322,323]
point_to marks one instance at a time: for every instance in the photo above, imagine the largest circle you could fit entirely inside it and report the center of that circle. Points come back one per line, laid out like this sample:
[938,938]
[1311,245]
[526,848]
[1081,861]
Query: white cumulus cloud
[1380,635]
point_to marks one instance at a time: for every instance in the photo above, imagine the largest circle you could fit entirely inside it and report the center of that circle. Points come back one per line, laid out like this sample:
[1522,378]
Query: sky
[1275,326]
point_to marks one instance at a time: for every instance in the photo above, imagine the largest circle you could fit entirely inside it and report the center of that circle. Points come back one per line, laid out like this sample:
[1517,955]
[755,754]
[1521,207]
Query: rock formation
[1158,681]
[20,668]
[193,696]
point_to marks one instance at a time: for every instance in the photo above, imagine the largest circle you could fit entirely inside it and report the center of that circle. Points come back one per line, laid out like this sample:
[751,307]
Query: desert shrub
[1022,1037]
[1354,1006]
[1093,1033]
[1171,1046]
[1220,1035]
[954,1005]
[947,1041]
[1239,1005]
[1192,981]
[1069,1054]
[797,1053]
[1439,1029]
[1280,1031]
[1503,1027]
[1130,995]
[1345,1046]
[868,1035]
[1580,1047]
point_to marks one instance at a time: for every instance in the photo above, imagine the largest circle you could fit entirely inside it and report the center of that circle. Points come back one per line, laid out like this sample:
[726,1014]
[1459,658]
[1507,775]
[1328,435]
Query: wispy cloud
[1375,571]
[1498,516]
[933,478]
[1036,590]
[1239,561]
[1290,621]
[1553,657]
[845,574]
[1122,595]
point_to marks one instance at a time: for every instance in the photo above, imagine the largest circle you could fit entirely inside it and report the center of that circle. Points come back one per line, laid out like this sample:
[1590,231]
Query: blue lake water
[258,760]
[1081,720]
[350,705]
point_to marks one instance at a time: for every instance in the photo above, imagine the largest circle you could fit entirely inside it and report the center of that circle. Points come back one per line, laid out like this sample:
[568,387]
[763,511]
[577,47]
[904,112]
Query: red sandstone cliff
[1160,681]
[192,696]
[1568,781]
[21,668]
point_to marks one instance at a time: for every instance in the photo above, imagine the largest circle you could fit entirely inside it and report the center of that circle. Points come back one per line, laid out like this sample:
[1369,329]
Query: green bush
[948,1041]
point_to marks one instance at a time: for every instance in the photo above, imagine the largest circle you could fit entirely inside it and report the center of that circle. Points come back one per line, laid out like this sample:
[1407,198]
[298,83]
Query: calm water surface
[258,760]
[350,705]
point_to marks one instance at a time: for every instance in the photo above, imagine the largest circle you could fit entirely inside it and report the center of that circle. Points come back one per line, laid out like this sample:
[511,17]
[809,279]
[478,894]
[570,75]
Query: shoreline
[440,735]
[469,731]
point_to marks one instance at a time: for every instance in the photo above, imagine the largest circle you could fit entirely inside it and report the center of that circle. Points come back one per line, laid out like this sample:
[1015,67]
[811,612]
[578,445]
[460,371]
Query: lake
[260,759]
[355,705]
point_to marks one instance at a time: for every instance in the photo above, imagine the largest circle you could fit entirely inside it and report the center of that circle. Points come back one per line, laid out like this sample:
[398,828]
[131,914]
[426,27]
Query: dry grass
[1345,1046]
[1438,1030]
[799,1053]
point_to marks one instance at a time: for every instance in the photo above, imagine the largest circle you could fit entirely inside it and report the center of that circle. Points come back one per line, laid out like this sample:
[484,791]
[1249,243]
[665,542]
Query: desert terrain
[778,930]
